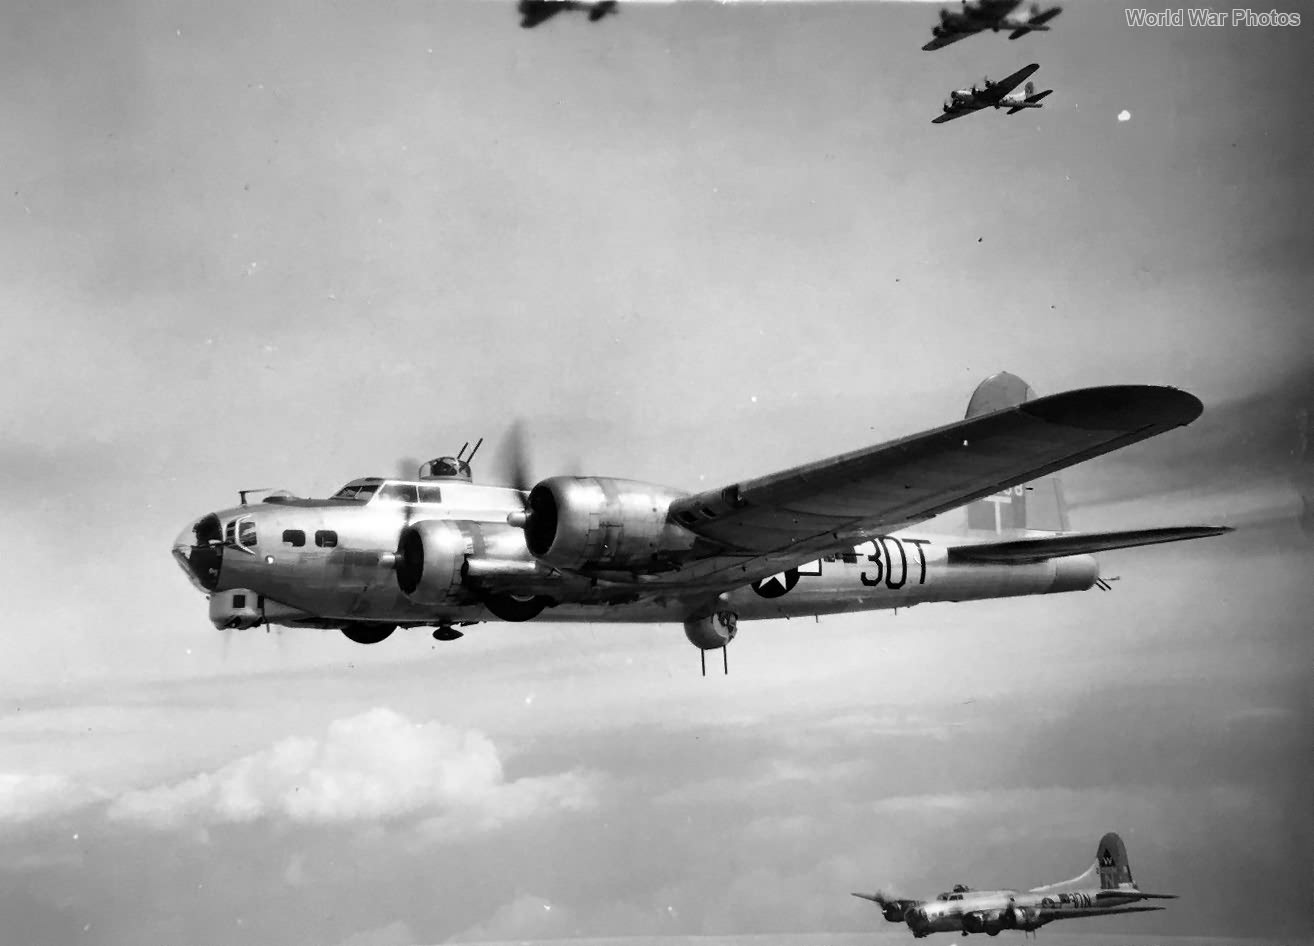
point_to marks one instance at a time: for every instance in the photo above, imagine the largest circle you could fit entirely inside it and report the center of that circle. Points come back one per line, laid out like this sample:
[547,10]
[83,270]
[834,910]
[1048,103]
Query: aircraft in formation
[977,16]
[1001,94]
[1106,888]
[534,12]
[833,536]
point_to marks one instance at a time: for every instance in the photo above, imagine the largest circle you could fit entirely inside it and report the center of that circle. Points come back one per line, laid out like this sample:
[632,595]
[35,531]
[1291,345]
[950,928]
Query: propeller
[514,458]
[514,462]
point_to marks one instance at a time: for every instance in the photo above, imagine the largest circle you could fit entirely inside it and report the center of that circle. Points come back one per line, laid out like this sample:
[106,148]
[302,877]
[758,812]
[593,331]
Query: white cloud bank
[375,766]
[26,797]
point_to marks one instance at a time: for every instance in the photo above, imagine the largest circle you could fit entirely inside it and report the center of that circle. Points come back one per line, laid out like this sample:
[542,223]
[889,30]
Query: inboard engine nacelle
[602,523]
[430,554]
[446,562]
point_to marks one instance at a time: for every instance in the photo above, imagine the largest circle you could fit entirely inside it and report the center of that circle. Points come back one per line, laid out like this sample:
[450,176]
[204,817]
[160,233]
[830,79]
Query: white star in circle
[778,578]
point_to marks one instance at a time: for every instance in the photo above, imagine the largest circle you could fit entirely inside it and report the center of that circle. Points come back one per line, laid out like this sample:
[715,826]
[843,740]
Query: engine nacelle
[577,522]
[989,921]
[893,912]
[712,632]
[917,920]
[1020,918]
[430,556]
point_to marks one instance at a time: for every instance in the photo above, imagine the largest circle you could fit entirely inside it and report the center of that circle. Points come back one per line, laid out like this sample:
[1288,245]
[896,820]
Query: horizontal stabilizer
[1031,101]
[1124,894]
[1021,551]
[1108,911]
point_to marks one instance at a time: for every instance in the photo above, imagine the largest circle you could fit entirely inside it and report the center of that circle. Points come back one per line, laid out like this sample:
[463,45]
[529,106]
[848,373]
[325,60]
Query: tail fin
[1111,859]
[1029,89]
[1037,506]
[1110,867]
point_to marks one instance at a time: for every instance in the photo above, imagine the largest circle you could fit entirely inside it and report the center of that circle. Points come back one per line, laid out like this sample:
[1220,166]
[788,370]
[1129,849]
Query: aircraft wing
[1008,84]
[1037,22]
[883,900]
[946,38]
[797,513]
[1020,551]
[1049,914]
[950,116]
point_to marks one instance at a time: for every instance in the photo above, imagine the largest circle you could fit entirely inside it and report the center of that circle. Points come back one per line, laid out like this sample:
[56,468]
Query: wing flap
[894,484]
[1021,551]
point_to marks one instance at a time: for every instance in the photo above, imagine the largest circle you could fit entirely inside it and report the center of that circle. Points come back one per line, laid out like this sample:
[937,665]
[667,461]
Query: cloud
[27,797]
[526,917]
[378,765]
[394,934]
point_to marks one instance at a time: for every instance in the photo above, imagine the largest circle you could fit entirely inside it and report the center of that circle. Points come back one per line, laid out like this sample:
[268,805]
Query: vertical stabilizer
[1111,859]
[1037,506]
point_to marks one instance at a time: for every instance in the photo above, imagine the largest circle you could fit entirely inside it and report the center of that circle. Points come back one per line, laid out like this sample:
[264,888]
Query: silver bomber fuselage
[278,551]
[948,916]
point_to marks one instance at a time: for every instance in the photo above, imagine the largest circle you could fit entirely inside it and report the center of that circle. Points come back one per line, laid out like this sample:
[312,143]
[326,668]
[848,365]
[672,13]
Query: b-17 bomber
[534,12]
[992,94]
[854,532]
[977,16]
[1106,888]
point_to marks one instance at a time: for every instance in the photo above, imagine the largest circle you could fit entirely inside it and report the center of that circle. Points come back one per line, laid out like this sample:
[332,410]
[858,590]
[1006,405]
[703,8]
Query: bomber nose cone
[199,551]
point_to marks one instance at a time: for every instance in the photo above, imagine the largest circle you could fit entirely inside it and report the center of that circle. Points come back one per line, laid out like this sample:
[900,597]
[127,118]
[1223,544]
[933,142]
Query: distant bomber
[977,16]
[1104,889]
[534,12]
[993,95]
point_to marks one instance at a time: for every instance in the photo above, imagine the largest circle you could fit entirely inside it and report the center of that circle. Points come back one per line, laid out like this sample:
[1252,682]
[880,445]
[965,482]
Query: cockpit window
[398,493]
[431,494]
[246,533]
[357,491]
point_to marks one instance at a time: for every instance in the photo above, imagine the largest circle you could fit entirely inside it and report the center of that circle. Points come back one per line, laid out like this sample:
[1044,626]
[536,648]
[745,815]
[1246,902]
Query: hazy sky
[284,244]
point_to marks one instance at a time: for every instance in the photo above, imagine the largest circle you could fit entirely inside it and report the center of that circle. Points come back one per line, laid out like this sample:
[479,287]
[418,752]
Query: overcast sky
[284,244]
